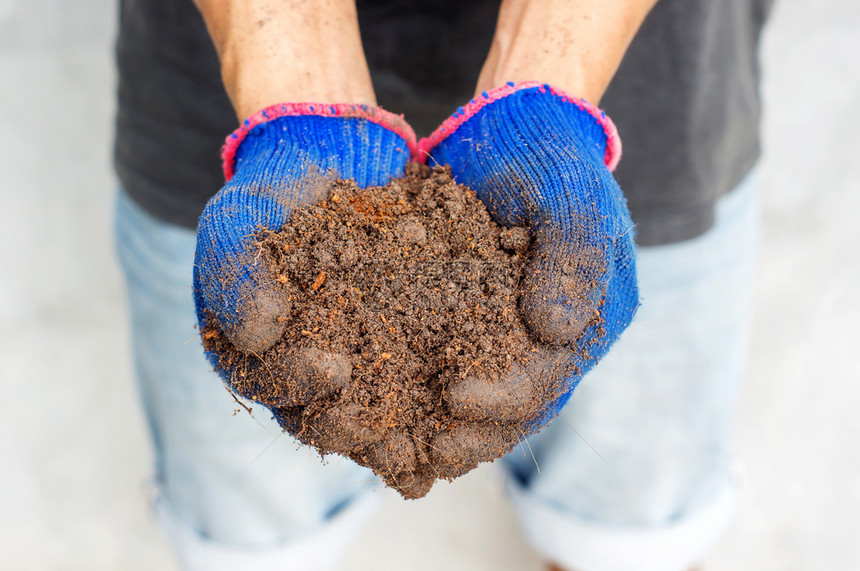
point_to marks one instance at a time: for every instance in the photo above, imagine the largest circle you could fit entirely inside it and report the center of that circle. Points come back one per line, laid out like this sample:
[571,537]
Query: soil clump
[391,296]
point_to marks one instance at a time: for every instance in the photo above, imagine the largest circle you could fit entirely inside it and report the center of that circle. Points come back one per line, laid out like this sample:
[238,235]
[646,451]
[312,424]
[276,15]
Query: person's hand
[281,158]
[538,157]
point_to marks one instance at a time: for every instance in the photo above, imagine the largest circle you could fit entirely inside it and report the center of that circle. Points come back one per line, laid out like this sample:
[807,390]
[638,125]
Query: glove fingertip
[260,322]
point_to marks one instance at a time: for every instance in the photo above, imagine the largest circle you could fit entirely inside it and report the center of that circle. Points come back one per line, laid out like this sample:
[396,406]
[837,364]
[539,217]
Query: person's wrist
[288,51]
[572,79]
[257,84]
[575,46]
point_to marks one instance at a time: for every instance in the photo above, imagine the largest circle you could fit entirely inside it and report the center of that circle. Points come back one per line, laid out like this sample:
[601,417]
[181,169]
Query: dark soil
[391,295]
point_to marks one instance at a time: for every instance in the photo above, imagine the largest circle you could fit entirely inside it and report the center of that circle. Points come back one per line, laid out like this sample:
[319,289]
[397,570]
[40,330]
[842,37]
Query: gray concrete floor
[75,458]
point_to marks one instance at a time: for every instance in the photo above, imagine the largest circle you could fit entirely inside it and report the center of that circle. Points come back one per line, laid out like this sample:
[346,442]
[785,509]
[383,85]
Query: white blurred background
[74,457]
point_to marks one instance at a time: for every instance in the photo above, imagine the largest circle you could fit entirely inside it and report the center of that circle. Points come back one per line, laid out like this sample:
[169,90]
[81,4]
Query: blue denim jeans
[643,482]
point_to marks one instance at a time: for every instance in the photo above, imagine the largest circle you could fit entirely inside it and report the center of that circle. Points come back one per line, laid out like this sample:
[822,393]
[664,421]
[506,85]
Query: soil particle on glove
[390,296]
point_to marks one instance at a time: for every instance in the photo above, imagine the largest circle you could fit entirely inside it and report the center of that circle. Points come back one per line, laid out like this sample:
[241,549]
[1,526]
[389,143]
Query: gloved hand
[282,158]
[538,157]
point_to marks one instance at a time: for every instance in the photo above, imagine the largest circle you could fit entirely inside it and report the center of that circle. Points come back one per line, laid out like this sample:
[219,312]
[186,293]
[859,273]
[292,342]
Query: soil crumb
[391,296]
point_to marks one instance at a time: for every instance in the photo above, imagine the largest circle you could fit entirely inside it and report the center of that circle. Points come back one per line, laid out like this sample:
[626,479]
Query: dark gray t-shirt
[685,99]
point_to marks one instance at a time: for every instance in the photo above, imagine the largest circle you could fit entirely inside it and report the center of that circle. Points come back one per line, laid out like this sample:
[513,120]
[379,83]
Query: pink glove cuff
[613,141]
[376,115]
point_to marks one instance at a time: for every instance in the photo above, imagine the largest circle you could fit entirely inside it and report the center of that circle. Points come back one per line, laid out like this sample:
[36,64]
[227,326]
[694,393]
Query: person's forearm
[575,45]
[276,51]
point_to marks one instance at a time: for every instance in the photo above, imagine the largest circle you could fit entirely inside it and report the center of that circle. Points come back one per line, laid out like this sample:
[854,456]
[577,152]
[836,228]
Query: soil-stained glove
[541,158]
[282,158]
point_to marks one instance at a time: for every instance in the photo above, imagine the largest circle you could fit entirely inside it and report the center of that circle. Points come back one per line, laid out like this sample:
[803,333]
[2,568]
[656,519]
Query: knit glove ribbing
[282,158]
[538,157]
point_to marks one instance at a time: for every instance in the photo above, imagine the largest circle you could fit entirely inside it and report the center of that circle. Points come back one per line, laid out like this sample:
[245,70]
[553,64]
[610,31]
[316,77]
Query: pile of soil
[390,295]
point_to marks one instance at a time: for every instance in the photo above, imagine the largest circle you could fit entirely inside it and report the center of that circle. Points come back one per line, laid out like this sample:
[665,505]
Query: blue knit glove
[538,157]
[282,158]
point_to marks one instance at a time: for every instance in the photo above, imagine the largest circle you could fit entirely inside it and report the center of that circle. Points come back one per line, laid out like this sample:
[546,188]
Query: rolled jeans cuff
[578,543]
[319,550]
